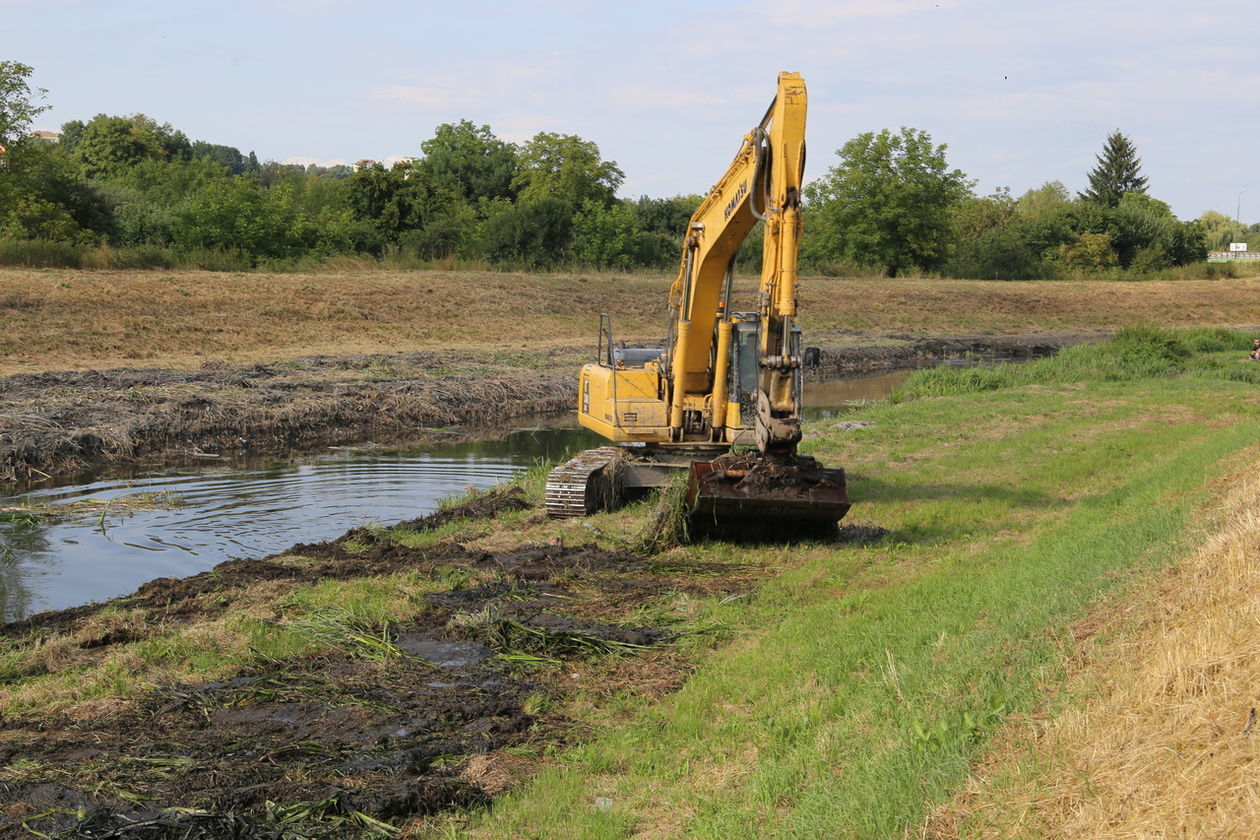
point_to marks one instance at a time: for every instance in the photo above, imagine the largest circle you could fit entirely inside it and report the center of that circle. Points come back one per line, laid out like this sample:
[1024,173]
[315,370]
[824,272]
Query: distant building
[47,136]
[1237,252]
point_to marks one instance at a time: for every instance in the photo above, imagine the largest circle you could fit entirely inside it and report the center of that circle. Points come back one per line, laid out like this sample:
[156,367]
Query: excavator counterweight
[727,382]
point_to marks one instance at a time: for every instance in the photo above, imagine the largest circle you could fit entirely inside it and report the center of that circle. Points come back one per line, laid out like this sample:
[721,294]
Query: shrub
[40,253]
[1139,352]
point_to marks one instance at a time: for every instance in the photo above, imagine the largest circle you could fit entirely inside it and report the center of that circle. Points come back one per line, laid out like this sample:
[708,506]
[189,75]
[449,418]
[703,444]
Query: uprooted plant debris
[61,422]
[752,474]
[381,725]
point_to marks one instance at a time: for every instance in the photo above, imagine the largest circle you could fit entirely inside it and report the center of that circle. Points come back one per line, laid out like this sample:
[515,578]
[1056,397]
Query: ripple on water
[256,509]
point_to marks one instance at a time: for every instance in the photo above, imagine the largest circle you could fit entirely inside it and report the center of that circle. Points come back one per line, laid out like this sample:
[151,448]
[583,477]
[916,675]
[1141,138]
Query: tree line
[148,194]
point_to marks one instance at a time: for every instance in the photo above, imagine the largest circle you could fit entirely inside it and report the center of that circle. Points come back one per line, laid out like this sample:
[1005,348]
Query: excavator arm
[762,183]
[673,404]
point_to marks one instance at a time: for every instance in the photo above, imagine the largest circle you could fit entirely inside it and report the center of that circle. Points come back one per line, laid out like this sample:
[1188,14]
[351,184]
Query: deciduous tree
[1050,198]
[568,168]
[108,146]
[605,236]
[18,106]
[887,203]
[533,234]
[469,161]
[1219,230]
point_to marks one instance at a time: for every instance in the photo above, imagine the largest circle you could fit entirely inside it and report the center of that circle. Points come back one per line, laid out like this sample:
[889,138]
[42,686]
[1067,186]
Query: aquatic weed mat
[383,739]
[383,720]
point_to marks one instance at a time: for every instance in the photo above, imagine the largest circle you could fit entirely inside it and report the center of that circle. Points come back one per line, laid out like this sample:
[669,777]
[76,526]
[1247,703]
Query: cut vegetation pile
[59,422]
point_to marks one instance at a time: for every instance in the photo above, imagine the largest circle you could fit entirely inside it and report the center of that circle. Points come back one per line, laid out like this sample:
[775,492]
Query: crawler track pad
[738,492]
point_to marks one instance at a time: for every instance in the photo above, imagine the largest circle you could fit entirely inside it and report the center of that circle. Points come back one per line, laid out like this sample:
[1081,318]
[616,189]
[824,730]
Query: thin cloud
[424,96]
[666,96]
[811,14]
[306,8]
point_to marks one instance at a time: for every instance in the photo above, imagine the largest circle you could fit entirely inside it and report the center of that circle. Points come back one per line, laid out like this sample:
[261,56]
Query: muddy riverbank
[62,422]
[911,350]
[369,721]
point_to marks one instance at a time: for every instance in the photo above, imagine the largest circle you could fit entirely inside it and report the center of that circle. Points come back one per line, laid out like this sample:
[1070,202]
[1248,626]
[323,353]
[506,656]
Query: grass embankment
[1155,737]
[863,681]
[846,695]
[63,319]
[1156,734]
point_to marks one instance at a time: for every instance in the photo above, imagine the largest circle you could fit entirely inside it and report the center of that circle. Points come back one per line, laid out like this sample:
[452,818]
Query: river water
[252,507]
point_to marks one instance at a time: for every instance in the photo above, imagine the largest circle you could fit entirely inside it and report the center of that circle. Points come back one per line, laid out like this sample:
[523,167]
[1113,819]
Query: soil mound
[841,361]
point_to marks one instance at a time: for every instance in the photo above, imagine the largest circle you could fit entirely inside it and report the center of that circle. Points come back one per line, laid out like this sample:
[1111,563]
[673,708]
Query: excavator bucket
[764,494]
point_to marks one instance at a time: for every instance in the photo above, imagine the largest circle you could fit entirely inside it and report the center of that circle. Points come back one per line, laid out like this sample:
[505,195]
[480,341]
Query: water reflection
[245,509]
[837,396]
[24,564]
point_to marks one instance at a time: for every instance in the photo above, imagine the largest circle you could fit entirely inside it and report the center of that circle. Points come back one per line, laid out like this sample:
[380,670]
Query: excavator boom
[763,183]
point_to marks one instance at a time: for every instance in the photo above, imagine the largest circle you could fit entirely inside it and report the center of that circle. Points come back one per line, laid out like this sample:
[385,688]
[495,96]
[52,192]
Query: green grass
[858,685]
[1135,353]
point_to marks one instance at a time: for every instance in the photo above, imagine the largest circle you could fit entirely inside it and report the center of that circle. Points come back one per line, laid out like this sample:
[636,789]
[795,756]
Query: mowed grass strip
[64,319]
[862,682]
[1157,736]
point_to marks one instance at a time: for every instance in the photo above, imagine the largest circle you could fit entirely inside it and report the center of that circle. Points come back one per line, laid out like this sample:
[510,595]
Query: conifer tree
[1118,172]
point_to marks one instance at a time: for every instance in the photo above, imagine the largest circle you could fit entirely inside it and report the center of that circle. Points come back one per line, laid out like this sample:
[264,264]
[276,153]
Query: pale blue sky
[1022,93]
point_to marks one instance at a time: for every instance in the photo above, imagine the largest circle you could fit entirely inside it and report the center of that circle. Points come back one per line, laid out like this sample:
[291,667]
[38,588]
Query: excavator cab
[745,375]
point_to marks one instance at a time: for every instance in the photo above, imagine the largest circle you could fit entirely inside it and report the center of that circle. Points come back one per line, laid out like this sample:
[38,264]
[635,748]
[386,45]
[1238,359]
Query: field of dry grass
[1164,741]
[63,319]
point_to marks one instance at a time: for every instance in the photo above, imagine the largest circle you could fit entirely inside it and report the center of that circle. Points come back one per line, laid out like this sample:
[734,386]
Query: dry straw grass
[1166,743]
[55,320]
[62,319]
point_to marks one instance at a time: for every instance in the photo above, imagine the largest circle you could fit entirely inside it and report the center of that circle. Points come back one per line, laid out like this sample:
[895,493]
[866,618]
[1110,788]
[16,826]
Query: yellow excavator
[725,380]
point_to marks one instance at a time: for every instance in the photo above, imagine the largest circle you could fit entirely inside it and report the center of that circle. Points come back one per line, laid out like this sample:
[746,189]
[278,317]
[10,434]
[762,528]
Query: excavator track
[574,489]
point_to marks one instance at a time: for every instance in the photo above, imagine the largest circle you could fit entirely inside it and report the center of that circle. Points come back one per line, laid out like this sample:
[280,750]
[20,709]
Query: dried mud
[327,744]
